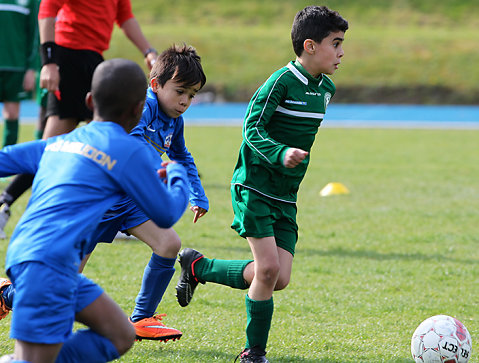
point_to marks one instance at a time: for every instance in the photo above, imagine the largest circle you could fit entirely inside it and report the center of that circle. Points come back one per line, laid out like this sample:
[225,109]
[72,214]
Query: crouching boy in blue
[79,176]
[176,77]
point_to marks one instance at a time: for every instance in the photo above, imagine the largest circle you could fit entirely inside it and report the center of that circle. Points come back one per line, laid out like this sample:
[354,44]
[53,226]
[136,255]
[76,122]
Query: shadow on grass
[375,255]
[293,359]
[207,355]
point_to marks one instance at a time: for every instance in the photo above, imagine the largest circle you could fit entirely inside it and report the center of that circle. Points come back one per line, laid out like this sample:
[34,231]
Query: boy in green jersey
[279,129]
[18,48]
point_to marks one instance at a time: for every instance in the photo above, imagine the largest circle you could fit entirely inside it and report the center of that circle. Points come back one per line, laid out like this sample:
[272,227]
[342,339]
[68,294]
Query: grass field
[370,266]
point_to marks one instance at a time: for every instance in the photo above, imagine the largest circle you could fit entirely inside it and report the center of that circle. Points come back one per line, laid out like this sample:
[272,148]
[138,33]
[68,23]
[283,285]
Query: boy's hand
[199,212]
[29,80]
[293,157]
[150,59]
[162,172]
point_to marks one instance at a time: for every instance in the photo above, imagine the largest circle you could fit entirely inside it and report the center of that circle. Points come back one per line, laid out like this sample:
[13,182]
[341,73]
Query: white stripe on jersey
[260,117]
[300,113]
[15,9]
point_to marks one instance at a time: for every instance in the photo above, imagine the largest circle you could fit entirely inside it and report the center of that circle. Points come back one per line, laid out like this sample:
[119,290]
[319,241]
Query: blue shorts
[120,217]
[46,302]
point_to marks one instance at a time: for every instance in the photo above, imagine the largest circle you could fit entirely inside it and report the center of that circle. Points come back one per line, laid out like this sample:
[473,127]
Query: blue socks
[87,346]
[157,276]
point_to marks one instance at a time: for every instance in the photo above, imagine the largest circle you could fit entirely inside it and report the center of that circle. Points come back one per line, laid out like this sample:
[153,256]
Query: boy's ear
[89,100]
[154,84]
[309,46]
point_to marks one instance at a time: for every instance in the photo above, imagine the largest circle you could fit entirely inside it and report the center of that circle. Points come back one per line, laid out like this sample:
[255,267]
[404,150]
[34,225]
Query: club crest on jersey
[168,140]
[327,98]
[22,2]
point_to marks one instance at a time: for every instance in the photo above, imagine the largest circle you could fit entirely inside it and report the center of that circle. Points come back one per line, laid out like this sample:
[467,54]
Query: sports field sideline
[338,115]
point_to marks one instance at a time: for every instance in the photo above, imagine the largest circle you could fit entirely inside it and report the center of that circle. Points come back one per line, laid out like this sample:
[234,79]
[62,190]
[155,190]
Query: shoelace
[254,358]
[158,317]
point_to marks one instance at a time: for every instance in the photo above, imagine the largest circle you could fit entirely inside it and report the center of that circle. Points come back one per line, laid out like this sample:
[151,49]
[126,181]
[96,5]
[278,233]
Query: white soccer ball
[441,339]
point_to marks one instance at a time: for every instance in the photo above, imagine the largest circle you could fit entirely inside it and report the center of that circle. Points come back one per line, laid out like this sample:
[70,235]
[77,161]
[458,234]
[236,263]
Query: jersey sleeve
[124,12]
[164,204]
[50,8]
[21,158]
[259,114]
[179,152]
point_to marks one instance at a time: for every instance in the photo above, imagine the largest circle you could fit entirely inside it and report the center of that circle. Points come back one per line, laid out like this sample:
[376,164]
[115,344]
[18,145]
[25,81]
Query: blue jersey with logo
[166,135]
[79,176]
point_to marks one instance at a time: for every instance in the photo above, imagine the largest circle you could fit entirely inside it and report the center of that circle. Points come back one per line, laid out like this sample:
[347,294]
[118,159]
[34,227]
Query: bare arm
[46,27]
[132,30]
[49,75]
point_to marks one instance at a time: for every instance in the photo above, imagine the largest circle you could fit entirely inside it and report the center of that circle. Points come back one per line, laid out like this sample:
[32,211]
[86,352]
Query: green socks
[230,273]
[10,132]
[259,315]
[224,272]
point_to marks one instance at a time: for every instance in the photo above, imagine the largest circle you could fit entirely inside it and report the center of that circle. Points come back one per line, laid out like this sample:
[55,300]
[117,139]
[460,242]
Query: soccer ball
[441,339]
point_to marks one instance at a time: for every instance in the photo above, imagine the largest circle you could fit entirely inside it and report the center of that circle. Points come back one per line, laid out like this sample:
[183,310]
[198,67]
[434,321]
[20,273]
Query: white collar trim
[297,73]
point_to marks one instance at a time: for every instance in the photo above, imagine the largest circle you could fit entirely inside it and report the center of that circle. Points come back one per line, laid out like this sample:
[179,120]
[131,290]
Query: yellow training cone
[333,188]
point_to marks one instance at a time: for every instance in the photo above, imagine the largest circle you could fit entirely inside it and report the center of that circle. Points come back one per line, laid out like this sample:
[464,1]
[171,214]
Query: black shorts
[76,72]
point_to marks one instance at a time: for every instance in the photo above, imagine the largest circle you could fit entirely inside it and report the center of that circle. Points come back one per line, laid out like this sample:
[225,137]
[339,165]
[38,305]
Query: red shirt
[85,24]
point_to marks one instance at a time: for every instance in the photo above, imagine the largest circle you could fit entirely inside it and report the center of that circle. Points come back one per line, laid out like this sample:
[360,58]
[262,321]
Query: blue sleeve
[179,152]
[146,117]
[164,204]
[21,158]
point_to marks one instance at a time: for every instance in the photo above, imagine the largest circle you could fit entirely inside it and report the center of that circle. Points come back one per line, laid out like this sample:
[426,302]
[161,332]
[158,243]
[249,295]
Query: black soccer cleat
[187,283]
[252,355]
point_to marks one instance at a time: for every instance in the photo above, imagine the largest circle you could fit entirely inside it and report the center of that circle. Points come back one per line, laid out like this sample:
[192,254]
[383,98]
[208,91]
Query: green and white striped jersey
[286,111]
[18,34]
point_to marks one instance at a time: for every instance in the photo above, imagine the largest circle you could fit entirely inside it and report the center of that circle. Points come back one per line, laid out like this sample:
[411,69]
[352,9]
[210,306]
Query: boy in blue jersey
[78,177]
[279,129]
[175,78]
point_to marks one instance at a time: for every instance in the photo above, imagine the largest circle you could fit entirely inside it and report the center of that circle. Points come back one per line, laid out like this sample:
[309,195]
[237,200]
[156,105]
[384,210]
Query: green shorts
[259,216]
[11,86]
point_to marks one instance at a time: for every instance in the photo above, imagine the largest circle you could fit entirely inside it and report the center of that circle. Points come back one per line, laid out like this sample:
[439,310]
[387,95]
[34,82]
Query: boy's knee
[281,284]
[174,244]
[268,273]
[167,245]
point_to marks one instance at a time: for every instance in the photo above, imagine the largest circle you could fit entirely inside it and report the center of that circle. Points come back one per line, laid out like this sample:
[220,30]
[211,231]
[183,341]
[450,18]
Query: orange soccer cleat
[153,329]
[4,309]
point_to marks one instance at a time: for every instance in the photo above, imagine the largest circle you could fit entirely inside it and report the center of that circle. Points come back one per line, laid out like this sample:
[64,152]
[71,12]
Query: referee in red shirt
[73,36]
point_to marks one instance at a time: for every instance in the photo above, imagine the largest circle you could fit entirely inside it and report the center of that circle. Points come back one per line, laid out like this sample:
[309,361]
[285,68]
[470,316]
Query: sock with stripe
[224,272]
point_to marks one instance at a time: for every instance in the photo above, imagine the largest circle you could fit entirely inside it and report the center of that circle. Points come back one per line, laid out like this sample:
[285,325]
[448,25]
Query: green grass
[370,266]
[398,44]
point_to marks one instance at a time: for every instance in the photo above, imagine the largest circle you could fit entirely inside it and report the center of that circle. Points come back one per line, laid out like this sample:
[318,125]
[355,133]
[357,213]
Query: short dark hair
[180,63]
[117,85]
[316,23]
